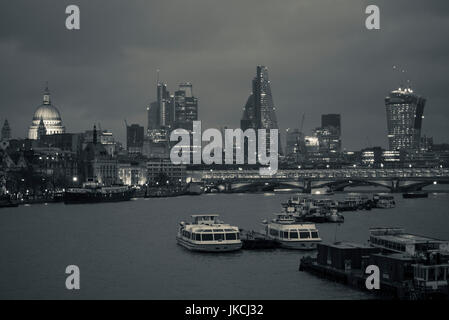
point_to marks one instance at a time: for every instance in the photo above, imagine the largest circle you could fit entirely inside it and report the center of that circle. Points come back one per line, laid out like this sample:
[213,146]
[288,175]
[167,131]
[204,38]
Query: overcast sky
[320,56]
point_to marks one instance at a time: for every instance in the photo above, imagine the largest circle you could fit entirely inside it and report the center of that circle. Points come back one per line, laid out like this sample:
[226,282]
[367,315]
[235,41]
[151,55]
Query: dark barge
[252,240]
[7,202]
[414,195]
[93,192]
[410,267]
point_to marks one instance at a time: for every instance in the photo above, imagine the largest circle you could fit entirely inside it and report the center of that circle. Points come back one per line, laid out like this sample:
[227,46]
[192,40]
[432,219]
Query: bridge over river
[396,180]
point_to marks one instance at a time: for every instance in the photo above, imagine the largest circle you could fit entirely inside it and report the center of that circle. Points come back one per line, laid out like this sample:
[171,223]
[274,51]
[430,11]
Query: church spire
[41,130]
[46,94]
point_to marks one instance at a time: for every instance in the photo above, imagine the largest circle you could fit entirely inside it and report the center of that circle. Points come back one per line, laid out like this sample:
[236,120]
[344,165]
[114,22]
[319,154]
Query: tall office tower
[328,138]
[6,131]
[259,110]
[331,120]
[187,88]
[185,106]
[134,138]
[153,116]
[263,100]
[329,134]
[404,119]
[161,114]
[163,101]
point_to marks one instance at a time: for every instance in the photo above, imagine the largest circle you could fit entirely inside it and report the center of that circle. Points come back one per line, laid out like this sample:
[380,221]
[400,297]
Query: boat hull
[415,195]
[299,245]
[385,206]
[209,247]
[9,205]
[77,198]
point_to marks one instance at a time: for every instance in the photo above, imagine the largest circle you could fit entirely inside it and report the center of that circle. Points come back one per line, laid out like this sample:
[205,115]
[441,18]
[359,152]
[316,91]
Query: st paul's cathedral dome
[49,115]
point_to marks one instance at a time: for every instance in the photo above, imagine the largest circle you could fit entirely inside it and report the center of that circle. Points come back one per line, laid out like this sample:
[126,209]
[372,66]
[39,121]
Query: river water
[128,250]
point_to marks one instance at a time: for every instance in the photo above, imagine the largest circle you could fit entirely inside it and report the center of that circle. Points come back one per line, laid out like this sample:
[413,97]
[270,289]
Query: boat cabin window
[218,236]
[231,236]
[207,237]
[293,234]
[197,237]
[314,234]
[440,273]
[186,234]
[431,274]
[304,235]
[274,232]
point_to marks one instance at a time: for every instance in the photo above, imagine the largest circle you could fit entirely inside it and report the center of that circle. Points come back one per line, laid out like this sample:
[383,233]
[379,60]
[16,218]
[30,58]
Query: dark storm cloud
[321,59]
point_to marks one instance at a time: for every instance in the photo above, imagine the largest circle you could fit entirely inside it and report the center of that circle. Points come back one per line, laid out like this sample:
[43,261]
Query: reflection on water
[128,249]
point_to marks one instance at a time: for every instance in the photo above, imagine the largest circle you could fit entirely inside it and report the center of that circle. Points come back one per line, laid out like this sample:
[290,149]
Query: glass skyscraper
[259,110]
[404,119]
[186,106]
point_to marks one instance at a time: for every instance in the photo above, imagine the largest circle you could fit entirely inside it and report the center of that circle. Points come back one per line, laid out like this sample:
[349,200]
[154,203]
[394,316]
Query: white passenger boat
[291,234]
[206,233]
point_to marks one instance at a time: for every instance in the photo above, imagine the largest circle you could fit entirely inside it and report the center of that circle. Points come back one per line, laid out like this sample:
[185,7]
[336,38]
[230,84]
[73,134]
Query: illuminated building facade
[404,119]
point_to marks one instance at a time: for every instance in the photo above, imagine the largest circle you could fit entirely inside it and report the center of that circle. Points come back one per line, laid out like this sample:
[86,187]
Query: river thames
[128,250]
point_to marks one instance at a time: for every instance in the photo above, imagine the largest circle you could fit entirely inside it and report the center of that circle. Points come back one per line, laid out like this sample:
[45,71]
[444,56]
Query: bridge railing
[354,173]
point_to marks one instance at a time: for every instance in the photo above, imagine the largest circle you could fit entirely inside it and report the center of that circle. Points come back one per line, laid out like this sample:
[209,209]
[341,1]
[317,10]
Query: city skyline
[108,80]
[158,110]
[36,122]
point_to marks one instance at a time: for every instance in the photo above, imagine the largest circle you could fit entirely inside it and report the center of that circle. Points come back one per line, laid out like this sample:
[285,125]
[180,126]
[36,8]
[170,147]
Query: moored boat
[93,192]
[384,201]
[291,234]
[7,202]
[207,234]
[417,194]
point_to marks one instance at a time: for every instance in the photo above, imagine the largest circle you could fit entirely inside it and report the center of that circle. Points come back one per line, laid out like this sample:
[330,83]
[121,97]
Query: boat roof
[408,238]
[296,226]
[398,234]
[349,245]
[211,228]
[395,256]
[283,214]
[205,215]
